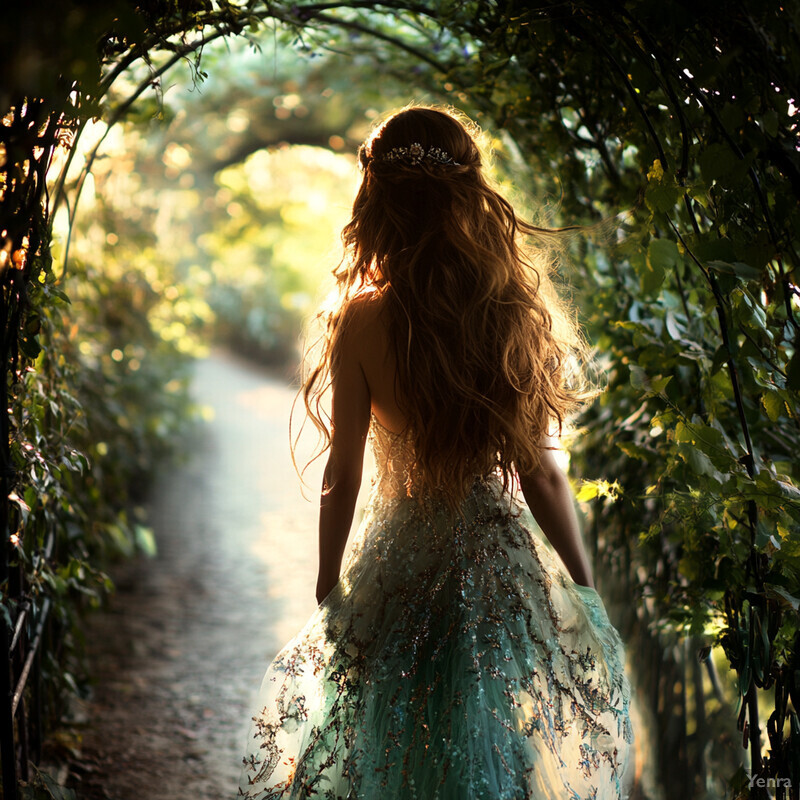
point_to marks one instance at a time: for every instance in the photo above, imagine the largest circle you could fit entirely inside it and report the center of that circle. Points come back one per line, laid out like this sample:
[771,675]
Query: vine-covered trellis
[686,114]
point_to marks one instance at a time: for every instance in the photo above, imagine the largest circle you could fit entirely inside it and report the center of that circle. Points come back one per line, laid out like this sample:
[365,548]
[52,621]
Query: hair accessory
[415,154]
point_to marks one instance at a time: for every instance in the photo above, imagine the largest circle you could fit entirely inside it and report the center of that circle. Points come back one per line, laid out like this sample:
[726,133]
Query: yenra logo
[769,783]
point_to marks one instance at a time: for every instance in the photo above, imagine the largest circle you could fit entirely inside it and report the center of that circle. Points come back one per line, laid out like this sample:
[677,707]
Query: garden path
[179,654]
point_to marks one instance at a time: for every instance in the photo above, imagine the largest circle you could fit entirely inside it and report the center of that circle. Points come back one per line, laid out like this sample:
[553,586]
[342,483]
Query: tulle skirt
[454,660]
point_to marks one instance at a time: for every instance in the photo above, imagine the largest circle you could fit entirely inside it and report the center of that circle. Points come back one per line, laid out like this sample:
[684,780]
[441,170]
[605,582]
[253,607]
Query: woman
[454,657]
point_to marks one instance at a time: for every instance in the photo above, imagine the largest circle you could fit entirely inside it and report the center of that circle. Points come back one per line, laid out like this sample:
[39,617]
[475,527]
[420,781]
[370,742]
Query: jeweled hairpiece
[415,154]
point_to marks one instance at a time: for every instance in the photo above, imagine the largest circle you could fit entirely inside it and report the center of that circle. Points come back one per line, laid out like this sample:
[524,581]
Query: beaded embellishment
[455,658]
[415,154]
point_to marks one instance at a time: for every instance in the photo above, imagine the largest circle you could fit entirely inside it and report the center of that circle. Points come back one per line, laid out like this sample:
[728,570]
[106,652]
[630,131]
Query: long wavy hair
[486,353]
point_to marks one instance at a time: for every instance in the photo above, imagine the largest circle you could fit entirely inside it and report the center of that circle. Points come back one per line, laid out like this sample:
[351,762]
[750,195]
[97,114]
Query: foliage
[97,408]
[43,787]
[686,116]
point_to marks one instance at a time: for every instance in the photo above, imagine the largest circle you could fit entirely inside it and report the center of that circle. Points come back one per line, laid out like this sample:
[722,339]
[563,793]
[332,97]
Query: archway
[698,318]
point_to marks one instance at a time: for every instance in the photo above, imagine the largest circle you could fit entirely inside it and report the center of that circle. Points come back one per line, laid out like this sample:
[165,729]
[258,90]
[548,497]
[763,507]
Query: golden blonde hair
[483,346]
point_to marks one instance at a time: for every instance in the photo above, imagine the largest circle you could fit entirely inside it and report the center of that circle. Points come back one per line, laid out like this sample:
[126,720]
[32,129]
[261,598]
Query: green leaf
[717,249]
[719,360]
[737,268]
[762,535]
[662,254]
[638,376]
[671,325]
[773,404]
[699,462]
[732,115]
[145,540]
[662,192]
[633,450]
[30,347]
[769,122]
[782,596]
[641,381]
[658,385]
[683,433]
[44,786]
[661,197]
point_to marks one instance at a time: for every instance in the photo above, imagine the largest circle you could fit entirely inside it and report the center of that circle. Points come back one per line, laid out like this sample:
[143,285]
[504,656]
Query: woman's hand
[325,585]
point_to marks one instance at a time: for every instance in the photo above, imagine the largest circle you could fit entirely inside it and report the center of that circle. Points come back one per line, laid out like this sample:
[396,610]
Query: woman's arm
[549,497]
[350,410]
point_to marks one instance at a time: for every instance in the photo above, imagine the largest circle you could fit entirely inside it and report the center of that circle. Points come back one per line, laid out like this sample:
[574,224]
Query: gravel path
[179,655]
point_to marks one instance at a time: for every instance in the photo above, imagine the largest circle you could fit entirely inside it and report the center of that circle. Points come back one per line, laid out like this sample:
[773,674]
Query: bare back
[377,361]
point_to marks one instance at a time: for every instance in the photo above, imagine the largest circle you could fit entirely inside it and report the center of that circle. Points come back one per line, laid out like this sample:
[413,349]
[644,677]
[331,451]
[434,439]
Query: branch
[732,368]
[119,113]
[253,144]
[302,16]
[357,26]
[664,80]
[634,97]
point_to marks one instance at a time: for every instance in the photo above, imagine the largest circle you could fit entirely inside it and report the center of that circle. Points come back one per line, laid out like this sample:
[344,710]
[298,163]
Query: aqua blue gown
[454,660]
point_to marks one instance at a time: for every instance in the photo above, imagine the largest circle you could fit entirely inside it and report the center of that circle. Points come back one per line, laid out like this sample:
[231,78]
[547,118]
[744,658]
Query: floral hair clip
[415,154]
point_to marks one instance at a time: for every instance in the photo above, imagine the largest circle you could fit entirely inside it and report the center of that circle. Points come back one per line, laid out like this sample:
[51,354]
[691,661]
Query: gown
[454,660]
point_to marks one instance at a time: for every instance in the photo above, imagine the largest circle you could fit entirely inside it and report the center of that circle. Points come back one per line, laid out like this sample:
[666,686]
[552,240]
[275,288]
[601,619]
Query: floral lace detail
[394,457]
[454,660]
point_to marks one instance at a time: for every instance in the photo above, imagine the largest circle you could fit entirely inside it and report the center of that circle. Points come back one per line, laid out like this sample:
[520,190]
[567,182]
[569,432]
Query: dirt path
[179,656]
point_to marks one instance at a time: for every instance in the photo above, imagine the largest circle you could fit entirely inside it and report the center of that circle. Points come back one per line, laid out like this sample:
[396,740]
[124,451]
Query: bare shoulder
[361,323]
[365,339]
[363,310]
